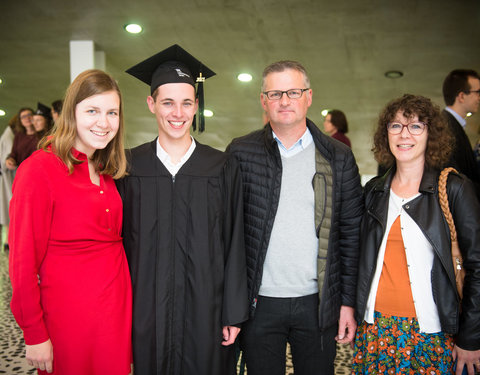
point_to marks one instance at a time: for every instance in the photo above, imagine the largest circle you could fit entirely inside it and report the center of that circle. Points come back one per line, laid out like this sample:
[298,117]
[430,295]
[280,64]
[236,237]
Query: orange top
[394,294]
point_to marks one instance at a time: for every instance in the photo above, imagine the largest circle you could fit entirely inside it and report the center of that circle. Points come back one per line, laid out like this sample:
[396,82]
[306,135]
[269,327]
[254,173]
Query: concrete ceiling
[346,46]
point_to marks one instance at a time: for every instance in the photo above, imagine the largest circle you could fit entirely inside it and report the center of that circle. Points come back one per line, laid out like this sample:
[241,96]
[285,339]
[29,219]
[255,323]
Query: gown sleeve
[31,210]
[235,300]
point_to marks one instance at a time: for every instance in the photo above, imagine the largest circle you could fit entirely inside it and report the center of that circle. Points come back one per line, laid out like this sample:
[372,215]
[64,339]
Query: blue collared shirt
[459,118]
[297,147]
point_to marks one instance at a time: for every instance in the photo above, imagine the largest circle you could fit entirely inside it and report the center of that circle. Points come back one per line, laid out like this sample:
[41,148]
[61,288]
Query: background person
[42,120]
[461,92]
[25,141]
[6,175]
[70,281]
[56,109]
[336,126]
[410,321]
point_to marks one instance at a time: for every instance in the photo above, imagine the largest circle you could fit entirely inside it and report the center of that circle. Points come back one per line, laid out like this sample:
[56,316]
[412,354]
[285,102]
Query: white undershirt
[167,161]
[420,255]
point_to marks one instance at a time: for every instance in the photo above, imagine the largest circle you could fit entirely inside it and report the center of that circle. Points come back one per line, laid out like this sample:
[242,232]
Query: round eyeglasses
[414,128]
[277,94]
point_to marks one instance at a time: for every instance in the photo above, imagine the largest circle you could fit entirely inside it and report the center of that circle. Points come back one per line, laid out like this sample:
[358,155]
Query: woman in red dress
[70,279]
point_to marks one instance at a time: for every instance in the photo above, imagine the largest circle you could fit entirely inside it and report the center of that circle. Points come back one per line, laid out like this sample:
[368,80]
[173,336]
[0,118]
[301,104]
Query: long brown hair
[110,160]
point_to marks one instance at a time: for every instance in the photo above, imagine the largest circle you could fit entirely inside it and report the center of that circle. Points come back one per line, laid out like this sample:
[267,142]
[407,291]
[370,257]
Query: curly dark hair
[440,141]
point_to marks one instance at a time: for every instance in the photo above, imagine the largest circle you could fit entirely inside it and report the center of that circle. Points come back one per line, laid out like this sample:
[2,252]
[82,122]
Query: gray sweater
[290,268]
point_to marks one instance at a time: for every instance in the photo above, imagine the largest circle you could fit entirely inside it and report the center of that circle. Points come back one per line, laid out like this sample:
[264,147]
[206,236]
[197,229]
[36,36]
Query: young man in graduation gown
[183,233]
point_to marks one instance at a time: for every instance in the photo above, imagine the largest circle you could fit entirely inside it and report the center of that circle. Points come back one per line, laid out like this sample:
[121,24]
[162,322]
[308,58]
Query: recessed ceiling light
[1,81]
[394,74]
[2,112]
[469,114]
[207,113]
[133,28]
[325,112]
[244,77]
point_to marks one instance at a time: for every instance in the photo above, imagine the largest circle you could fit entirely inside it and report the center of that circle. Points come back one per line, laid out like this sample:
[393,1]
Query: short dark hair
[439,143]
[281,66]
[57,106]
[457,82]
[339,120]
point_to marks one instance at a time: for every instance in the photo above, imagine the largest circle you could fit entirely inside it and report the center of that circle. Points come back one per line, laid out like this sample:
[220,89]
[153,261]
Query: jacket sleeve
[31,211]
[235,300]
[350,215]
[466,215]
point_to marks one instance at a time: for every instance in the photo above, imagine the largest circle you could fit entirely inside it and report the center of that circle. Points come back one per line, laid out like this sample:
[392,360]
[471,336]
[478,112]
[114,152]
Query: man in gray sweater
[302,210]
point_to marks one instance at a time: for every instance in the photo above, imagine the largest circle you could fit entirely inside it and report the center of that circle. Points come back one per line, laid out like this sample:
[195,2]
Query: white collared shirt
[419,253]
[459,118]
[299,146]
[167,161]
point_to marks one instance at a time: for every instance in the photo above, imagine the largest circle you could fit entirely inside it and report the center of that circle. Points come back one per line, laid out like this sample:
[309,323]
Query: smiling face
[286,112]
[174,107]
[406,148]
[97,120]
[39,123]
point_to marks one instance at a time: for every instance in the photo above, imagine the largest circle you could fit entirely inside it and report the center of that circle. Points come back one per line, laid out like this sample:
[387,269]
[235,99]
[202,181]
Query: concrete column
[83,56]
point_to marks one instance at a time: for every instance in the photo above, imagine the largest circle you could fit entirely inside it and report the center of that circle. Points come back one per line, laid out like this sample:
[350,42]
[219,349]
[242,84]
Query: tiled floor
[12,361]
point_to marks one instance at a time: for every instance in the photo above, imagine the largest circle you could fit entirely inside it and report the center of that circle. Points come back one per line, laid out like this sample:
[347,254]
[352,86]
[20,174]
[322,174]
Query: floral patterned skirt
[394,345]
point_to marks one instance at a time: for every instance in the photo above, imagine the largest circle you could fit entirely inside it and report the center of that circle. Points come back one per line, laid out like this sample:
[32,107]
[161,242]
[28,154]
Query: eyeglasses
[414,128]
[26,116]
[475,91]
[292,94]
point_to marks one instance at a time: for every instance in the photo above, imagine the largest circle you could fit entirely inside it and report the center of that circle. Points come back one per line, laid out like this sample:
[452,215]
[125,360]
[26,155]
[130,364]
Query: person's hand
[230,333]
[469,358]
[40,356]
[10,164]
[346,326]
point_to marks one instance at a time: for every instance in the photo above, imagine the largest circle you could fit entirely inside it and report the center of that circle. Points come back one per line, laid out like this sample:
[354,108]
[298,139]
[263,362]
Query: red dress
[68,269]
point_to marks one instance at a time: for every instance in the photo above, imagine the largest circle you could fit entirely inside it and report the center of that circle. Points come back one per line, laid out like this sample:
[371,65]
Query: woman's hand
[11,163]
[469,358]
[40,356]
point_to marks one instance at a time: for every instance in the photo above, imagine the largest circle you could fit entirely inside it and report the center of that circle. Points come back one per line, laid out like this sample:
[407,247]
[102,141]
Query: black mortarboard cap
[174,65]
[43,110]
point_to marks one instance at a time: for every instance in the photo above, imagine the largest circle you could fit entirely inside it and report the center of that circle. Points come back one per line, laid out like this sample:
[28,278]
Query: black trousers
[294,320]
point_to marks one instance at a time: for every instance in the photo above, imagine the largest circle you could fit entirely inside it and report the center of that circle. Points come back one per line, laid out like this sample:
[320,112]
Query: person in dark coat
[303,205]
[461,92]
[183,233]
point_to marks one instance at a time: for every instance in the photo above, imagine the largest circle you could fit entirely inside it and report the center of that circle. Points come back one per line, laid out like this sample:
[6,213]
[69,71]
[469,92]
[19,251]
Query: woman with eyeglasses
[408,310]
[25,141]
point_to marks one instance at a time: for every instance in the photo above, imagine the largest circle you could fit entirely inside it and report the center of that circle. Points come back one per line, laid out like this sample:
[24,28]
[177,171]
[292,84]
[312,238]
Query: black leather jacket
[261,167]
[426,212]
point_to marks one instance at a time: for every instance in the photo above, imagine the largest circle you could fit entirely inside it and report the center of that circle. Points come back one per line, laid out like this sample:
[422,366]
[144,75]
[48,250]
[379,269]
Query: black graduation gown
[184,243]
